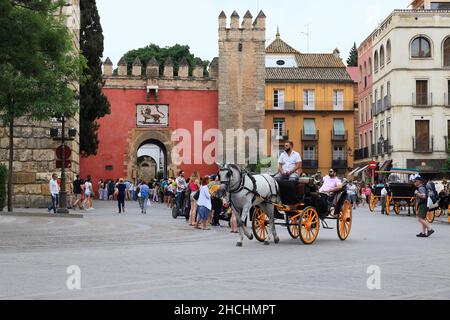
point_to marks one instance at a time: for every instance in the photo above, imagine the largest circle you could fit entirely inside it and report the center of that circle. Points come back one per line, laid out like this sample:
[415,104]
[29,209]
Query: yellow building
[310,101]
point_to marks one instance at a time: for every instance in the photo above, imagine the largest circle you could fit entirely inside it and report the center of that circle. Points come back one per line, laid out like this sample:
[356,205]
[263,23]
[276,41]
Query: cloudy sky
[333,24]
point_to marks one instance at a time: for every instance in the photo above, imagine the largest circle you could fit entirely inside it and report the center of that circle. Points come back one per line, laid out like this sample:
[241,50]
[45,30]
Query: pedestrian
[54,191]
[101,187]
[363,195]
[383,200]
[170,193]
[88,194]
[155,192]
[120,193]
[180,189]
[204,204]
[77,191]
[131,191]
[110,188]
[194,187]
[422,208]
[351,192]
[127,190]
[145,196]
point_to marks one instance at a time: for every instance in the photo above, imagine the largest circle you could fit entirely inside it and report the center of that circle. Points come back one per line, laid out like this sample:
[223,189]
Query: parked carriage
[303,210]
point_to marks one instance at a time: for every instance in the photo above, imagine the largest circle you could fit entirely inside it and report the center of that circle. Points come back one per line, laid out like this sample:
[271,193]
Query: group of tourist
[82,191]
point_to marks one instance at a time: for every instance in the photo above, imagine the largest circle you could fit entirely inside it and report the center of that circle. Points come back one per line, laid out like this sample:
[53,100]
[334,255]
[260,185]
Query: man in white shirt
[413,177]
[54,191]
[289,163]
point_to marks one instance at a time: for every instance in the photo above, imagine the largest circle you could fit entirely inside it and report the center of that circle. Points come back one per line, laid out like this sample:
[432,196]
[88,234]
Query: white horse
[246,191]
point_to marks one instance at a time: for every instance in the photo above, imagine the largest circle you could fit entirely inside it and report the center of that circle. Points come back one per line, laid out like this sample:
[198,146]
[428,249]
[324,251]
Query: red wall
[185,107]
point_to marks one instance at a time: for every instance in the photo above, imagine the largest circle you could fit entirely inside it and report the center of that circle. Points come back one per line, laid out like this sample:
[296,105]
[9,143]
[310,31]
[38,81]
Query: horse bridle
[229,174]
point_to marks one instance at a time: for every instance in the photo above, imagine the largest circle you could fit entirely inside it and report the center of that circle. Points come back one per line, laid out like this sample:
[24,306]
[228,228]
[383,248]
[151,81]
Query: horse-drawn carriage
[304,209]
[298,203]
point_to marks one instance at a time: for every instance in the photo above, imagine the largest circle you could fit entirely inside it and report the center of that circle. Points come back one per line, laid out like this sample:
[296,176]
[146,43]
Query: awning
[360,170]
[353,172]
[385,164]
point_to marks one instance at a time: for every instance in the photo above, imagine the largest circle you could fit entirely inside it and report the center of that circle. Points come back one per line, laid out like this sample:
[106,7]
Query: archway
[151,160]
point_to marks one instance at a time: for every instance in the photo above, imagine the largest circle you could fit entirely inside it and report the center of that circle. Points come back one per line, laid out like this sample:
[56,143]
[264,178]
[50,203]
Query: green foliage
[37,64]
[93,104]
[257,168]
[352,60]
[176,53]
[3,177]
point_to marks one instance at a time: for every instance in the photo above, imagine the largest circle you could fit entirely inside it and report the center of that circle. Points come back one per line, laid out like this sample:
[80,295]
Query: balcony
[384,147]
[379,106]
[359,154]
[365,153]
[422,99]
[314,105]
[283,105]
[373,150]
[280,135]
[310,137]
[339,136]
[339,164]
[310,164]
[421,146]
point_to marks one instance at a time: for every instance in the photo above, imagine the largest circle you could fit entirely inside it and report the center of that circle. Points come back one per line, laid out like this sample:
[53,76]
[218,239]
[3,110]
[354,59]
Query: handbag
[149,203]
[197,195]
[430,203]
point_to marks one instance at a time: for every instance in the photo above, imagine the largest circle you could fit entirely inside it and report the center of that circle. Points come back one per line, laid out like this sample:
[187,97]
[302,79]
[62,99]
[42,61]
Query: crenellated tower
[241,80]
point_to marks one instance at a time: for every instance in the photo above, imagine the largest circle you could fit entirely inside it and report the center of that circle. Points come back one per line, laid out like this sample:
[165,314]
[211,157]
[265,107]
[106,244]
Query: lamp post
[63,192]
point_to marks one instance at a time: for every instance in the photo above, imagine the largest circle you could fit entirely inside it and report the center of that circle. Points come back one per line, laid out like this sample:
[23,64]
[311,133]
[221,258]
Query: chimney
[337,53]
[152,68]
[168,68]
[183,71]
[137,68]
[122,66]
[108,67]
[234,20]
[198,69]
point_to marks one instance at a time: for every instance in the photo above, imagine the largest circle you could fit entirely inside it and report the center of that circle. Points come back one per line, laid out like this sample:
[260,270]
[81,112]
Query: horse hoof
[277,240]
[266,243]
[251,237]
[239,244]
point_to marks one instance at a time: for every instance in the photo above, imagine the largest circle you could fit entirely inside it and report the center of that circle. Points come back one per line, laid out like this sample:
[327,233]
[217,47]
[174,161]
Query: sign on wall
[152,115]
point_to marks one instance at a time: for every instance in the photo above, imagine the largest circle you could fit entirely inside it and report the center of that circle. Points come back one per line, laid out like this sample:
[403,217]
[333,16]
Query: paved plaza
[133,256]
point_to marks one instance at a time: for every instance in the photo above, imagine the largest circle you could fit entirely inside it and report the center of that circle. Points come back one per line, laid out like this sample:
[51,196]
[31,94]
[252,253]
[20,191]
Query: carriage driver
[289,163]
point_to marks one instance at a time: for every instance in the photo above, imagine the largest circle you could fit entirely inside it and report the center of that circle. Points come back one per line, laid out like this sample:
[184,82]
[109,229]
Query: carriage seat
[291,192]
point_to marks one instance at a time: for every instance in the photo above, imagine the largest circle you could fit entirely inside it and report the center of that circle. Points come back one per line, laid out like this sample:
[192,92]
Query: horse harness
[243,174]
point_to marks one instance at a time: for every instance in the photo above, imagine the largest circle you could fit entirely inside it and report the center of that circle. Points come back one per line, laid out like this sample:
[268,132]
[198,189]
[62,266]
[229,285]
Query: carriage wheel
[259,225]
[388,205]
[397,208]
[309,225]
[430,216]
[344,222]
[294,227]
[372,202]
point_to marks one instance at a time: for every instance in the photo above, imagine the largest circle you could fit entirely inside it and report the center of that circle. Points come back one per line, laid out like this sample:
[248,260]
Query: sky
[332,24]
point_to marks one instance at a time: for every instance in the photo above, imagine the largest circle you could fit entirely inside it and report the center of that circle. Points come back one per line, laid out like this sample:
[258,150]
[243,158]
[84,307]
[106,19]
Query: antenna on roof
[308,35]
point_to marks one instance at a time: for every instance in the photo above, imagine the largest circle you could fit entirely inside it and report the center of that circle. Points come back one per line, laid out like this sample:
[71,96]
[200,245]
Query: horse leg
[245,214]
[271,212]
[265,208]
[240,228]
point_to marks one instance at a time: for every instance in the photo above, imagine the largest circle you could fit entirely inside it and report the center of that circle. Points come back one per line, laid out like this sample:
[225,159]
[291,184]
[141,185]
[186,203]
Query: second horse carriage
[299,204]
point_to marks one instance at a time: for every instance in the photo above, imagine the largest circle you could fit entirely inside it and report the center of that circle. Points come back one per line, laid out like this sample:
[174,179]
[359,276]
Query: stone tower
[241,79]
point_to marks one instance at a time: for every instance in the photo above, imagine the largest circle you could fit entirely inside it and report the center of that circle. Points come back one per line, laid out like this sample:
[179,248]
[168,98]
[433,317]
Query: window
[360,141]
[448,93]
[366,142]
[366,107]
[309,126]
[440,6]
[365,74]
[309,153]
[370,66]
[281,62]
[421,92]
[360,74]
[278,99]
[447,52]
[382,57]
[109,168]
[422,135]
[375,59]
[338,100]
[338,127]
[308,100]
[371,104]
[420,48]
[388,133]
[279,127]
[388,51]
[338,153]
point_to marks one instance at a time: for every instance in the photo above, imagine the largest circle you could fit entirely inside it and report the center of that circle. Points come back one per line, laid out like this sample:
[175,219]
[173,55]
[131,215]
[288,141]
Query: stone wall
[34,151]
[242,74]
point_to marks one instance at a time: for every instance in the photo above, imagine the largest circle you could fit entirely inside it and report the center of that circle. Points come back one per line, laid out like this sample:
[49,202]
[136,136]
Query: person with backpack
[421,202]
[145,196]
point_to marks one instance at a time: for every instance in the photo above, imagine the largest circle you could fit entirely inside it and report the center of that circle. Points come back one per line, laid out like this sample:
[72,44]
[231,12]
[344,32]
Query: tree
[93,104]
[37,66]
[176,53]
[352,60]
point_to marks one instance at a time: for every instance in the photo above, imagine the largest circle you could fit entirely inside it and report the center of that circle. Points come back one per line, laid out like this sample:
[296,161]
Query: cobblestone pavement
[133,256]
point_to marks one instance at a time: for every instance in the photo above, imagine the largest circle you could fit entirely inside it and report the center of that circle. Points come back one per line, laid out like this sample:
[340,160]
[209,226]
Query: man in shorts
[422,208]
[77,191]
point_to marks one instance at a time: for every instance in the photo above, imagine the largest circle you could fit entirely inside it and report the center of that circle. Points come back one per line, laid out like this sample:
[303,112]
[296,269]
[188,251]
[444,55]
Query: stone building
[35,152]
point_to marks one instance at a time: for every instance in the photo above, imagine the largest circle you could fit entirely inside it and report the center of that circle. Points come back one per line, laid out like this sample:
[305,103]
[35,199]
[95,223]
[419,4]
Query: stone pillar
[108,67]
[153,68]
[168,68]
[198,69]
[137,68]
[183,71]
[122,67]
